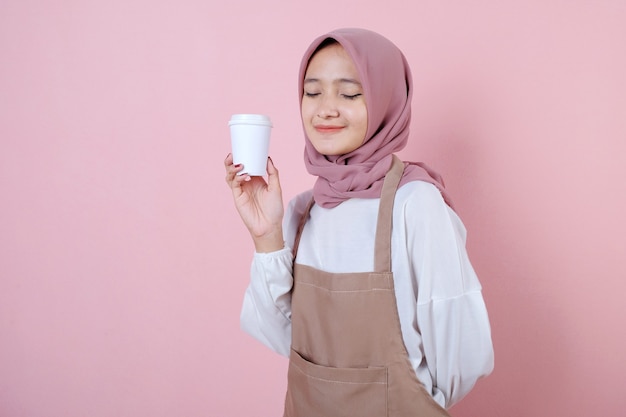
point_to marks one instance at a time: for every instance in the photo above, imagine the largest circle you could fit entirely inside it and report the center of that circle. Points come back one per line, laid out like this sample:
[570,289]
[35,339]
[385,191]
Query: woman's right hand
[259,203]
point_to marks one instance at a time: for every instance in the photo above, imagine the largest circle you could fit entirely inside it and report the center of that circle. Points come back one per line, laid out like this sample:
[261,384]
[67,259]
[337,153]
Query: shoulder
[298,204]
[420,195]
[293,214]
[421,204]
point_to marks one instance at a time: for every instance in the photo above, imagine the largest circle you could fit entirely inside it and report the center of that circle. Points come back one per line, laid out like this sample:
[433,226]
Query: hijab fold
[388,89]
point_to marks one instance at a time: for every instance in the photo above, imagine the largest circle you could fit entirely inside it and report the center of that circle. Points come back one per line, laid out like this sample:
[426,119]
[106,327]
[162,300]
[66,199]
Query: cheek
[305,114]
[305,111]
[362,118]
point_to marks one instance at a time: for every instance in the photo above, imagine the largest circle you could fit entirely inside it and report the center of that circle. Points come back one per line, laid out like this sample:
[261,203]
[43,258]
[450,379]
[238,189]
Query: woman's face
[334,112]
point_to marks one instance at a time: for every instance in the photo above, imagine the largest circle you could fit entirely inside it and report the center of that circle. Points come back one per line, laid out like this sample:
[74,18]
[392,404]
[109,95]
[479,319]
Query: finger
[237,184]
[272,174]
[271,168]
[232,173]
[230,165]
[241,178]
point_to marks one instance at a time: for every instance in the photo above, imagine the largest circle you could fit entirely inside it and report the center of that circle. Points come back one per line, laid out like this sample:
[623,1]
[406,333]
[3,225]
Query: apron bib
[348,357]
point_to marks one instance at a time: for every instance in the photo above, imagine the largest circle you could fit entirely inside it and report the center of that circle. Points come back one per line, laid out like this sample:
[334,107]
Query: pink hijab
[388,88]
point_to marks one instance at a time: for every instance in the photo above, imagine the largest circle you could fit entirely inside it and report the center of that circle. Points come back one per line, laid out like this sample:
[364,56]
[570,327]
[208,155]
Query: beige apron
[347,353]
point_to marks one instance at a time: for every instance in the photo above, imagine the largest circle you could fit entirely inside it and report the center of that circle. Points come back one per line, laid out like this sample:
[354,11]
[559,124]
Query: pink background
[123,262]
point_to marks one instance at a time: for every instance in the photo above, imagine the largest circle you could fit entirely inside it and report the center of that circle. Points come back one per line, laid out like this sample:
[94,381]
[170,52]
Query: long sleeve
[450,311]
[266,310]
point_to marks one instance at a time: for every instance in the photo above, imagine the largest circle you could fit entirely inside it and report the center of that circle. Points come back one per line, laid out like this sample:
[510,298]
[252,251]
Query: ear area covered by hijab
[388,89]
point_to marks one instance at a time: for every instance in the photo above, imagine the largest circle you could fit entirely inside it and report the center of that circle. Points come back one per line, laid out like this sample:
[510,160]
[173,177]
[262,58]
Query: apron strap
[382,250]
[303,220]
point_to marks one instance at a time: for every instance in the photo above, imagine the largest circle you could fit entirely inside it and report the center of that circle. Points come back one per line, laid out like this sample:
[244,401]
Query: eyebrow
[338,81]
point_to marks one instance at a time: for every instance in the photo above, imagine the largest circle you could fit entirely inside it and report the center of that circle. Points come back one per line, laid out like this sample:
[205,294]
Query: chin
[326,152]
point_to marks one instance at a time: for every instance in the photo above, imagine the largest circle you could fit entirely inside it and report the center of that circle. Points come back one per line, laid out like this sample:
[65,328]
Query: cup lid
[252,119]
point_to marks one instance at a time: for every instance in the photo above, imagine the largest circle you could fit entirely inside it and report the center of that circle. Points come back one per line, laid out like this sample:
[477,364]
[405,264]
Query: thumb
[272,174]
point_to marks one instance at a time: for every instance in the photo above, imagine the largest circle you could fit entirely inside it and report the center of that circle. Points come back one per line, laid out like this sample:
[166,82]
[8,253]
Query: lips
[328,128]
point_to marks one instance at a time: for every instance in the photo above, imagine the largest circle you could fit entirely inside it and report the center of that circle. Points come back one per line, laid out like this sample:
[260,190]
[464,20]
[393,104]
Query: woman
[364,282]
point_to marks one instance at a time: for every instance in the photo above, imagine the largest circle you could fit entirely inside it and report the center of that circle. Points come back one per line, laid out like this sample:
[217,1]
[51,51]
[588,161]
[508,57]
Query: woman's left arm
[451,314]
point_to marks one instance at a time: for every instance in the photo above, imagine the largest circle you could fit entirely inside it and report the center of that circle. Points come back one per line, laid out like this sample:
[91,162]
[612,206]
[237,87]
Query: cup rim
[250,119]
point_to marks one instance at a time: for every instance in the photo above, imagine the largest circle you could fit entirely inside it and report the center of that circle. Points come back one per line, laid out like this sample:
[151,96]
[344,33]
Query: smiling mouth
[328,129]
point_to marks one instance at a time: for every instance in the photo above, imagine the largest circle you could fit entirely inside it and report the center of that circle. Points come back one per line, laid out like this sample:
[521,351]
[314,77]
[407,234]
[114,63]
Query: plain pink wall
[123,263]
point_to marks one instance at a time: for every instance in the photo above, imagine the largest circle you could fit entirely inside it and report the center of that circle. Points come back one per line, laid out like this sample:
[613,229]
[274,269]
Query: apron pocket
[315,390]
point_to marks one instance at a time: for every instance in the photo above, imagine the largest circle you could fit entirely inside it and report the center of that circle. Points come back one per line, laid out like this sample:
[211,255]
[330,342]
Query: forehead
[331,61]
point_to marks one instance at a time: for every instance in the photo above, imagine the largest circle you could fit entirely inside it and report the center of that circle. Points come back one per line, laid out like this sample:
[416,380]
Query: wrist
[270,242]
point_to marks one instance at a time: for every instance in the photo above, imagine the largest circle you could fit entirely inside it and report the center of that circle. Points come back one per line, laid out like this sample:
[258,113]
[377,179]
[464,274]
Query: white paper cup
[250,141]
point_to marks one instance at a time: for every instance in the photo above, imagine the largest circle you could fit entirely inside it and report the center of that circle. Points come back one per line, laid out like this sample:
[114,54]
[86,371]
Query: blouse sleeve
[266,310]
[451,314]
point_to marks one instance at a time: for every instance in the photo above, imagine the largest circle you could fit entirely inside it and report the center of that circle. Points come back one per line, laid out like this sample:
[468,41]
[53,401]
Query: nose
[327,108]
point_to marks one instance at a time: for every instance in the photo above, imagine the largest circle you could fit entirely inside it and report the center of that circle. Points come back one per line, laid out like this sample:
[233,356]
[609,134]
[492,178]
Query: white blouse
[443,316]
